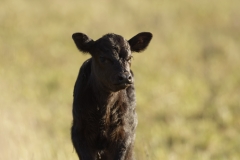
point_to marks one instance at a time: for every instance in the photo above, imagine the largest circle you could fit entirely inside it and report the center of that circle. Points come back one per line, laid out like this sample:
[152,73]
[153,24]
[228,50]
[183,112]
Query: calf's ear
[83,42]
[140,42]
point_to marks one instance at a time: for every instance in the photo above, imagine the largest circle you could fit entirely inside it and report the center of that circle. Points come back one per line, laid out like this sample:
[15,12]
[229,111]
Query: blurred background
[187,81]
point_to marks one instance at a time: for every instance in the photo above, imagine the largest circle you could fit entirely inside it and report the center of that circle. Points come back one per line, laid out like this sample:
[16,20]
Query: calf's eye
[129,59]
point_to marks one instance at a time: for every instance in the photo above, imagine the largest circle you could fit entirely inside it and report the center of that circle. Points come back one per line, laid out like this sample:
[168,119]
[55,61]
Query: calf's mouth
[122,85]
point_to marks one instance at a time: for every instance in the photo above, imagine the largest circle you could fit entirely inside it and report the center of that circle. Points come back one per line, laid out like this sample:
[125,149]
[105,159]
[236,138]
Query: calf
[104,117]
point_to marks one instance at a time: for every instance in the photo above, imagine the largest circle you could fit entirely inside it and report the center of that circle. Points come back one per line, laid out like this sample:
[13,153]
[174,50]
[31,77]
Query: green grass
[187,81]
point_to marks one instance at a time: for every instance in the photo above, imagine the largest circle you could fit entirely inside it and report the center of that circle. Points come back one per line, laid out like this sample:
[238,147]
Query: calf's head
[111,57]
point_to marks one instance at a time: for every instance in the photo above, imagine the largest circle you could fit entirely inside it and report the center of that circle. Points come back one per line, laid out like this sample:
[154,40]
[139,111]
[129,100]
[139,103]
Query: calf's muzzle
[124,78]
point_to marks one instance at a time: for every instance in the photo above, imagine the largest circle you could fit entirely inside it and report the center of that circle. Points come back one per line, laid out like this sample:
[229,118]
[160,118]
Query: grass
[187,81]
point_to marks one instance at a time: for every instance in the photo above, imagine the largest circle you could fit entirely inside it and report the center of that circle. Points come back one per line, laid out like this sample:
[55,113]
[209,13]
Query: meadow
[187,81]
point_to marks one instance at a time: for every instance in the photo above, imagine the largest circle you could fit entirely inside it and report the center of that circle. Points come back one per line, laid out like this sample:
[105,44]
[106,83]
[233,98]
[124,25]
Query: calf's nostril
[130,78]
[120,78]
[124,78]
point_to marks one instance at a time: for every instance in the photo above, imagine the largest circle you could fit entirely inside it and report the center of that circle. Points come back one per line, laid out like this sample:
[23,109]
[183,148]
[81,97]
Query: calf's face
[112,56]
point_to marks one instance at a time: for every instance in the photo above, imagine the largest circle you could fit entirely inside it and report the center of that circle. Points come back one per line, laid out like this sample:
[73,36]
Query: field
[187,81]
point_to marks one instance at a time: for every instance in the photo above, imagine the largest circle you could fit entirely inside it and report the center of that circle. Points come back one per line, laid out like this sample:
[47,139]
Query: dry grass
[188,80]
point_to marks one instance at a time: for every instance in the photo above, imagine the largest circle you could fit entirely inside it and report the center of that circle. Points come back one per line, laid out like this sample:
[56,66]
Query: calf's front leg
[82,148]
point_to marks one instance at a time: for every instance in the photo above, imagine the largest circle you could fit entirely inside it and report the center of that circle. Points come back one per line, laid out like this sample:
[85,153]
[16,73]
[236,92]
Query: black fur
[104,117]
